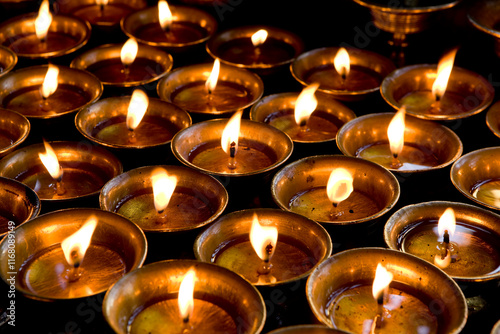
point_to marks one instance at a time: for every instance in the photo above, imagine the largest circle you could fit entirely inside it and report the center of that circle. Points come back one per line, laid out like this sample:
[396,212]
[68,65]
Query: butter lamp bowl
[307,329]
[493,119]
[485,17]
[8,60]
[14,129]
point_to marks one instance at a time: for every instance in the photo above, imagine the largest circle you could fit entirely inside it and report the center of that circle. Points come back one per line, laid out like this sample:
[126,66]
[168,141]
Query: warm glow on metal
[339,186]
[49,160]
[43,20]
[342,62]
[381,281]
[75,246]
[137,108]
[259,37]
[443,74]
[306,103]
[211,82]
[164,15]
[163,188]
[447,222]
[50,83]
[231,133]
[101,2]
[396,132]
[263,239]
[129,52]
[186,292]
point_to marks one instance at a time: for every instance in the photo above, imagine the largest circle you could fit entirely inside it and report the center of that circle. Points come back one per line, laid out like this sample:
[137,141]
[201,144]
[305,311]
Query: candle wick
[335,204]
[446,242]
[132,138]
[380,309]
[395,161]
[438,97]
[126,70]
[60,190]
[102,9]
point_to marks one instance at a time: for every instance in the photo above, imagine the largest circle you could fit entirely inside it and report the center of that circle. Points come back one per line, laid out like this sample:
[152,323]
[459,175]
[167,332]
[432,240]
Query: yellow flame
[231,132]
[50,82]
[163,188]
[164,14]
[129,52]
[259,37]
[186,292]
[49,160]
[101,2]
[382,280]
[43,20]
[396,132]
[447,222]
[342,62]
[211,82]
[137,108]
[443,74]
[75,246]
[261,237]
[339,186]
[306,103]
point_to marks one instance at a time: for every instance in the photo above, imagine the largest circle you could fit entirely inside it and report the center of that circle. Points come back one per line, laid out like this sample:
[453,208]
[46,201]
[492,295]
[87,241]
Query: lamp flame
[75,246]
[305,104]
[339,186]
[186,292]
[211,82]
[396,132]
[342,62]
[447,222]
[230,134]
[381,281]
[163,188]
[263,239]
[445,66]
[137,109]
[129,52]
[43,20]
[49,160]
[50,83]
[101,2]
[164,15]
[259,37]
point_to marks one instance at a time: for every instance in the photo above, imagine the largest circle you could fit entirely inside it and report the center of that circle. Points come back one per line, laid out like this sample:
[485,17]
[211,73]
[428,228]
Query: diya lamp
[61,170]
[445,92]
[461,239]
[8,60]
[403,144]
[103,14]
[125,65]
[184,296]
[48,91]
[211,89]
[335,190]
[86,251]
[476,175]
[43,35]
[308,117]
[306,329]
[18,204]
[493,119]
[133,122]
[346,73]
[344,293]
[484,16]
[262,49]
[174,28]
[165,198]
[14,129]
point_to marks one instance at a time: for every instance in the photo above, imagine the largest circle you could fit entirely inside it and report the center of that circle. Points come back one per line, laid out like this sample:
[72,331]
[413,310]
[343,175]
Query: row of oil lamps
[94,250]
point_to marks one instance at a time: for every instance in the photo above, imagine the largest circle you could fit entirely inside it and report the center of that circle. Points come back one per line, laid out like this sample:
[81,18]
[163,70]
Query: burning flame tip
[306,103]
[50,82]
[231,132]
[261,237]
[43,20]
[342,62]
[164,15]
[445,66]
[186,292]
[396,132]
[447,222]
[163,188]
[382,279]
[211,82]
[75,246]
[137,108]
[129,51]
[259,37]
[50,161]
[340,185]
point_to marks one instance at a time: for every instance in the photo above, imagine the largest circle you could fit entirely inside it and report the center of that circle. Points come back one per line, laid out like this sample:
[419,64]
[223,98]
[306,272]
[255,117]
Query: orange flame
[339,186]
[381,282]
[259,37]
[443,74]
[263,239]
[231,133]
[163,188]
[43,20]
[342,62]
[75,246]
[129,52]
[211,82]
[447,222]
[101,2]
[137,108]
[306,103]
[50,161]
[164,15]
[186,292]
[50,82]
[396,132]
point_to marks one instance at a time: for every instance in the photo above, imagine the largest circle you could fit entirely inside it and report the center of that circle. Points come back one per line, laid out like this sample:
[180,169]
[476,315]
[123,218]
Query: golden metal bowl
[485,16]
[417,276]
[496,328]
[8,59]
[14,129]
[493,119]
[18,204]
[37,243]
[159,282]
[307,329]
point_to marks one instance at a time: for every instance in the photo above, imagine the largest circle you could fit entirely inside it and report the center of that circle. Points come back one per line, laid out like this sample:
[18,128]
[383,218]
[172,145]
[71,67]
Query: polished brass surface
[307,329]
[161,280]
[31,77]
[493,119]
[359,264]
[237,225]
[464,213]
[373,180]
[33,237]
[485,16]
[138,181]
[18,203]
[318,58]
[8,60]
[496,328]
[370,129]
[16,127]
